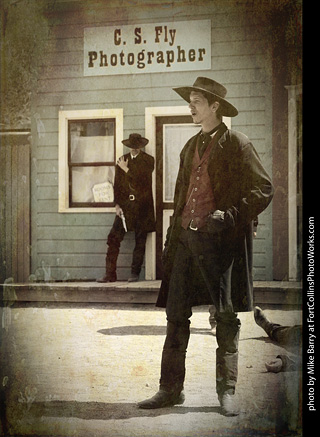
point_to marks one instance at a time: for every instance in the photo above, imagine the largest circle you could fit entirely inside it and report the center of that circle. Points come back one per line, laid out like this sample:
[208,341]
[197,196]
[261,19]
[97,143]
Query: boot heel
[180,399]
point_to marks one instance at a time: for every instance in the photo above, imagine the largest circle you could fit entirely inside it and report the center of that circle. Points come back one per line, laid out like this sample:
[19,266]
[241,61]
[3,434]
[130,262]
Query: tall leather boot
[113,250]
[172,368]
[111,263]
[114,240]
[226,371]
[111,266]
[227,364]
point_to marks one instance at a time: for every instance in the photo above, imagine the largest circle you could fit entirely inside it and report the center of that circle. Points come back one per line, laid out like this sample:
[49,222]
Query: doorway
[172,133]
[15,215]
[151,116]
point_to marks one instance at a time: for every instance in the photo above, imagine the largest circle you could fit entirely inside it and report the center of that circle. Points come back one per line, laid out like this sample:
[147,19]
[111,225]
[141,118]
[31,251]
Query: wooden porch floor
[273,293]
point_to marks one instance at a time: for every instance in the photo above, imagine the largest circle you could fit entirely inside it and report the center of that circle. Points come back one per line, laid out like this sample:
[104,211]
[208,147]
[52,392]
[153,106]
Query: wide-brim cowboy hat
[135,141]
[213,88]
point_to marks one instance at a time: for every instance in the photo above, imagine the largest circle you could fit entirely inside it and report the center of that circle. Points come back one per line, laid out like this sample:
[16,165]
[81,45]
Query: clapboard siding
[56,219]
[48,113]
[86,231]
[241,76]
[83,273]
[138,95]
[73,246]
[221,16]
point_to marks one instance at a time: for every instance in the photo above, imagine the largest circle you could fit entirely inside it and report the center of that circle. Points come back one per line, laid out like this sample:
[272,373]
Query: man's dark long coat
[241,186]
[137,182]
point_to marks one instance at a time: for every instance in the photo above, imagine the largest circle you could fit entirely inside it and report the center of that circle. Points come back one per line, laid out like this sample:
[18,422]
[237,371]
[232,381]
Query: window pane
[92,184]
[92,141]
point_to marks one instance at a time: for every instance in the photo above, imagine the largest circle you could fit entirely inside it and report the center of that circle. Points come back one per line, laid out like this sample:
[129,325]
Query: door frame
[294,251]
[151,113]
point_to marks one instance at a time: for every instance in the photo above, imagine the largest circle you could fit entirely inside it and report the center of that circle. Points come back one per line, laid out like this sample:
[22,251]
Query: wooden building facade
[238,43]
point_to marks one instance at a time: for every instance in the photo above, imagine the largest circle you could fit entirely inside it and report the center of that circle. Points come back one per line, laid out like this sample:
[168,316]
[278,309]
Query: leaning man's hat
[135,141]
[210,87]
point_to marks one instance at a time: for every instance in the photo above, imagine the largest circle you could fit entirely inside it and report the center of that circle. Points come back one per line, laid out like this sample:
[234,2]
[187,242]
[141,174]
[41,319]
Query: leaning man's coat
[137,185]
[240,186]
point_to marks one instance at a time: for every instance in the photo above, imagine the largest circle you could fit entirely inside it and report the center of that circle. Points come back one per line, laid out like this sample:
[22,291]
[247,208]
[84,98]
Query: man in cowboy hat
[134,206]
[221,188]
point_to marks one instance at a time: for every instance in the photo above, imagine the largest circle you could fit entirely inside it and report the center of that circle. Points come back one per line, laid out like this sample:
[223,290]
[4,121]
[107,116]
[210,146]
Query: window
[91,158]
[89,145]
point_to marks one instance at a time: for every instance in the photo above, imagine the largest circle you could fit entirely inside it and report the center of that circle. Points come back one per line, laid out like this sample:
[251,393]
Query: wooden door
[15,207]
[172,133]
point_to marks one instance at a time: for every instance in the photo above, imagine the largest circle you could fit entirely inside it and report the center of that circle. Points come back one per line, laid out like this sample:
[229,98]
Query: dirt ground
[79,370]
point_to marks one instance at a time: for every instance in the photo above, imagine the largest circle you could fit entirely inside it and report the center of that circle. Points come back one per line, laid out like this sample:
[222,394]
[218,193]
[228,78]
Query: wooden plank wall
[15,208]
[72,246]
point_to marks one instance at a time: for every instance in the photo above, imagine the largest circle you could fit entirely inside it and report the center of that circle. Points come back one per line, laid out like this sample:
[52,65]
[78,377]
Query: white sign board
[147,48]
[103,192]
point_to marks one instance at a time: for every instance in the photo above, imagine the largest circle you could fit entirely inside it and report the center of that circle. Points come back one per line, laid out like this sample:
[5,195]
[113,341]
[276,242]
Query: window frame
[64,168]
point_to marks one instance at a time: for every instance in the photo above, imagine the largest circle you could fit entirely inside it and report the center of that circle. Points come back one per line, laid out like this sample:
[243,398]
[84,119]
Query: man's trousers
[115,237]
[199,249]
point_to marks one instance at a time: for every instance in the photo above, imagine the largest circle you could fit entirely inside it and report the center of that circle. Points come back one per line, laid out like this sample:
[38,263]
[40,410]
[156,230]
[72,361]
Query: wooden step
[267,293]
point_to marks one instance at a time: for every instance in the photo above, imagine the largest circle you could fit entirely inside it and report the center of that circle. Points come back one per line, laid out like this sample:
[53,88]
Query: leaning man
[220,189]
[134,206]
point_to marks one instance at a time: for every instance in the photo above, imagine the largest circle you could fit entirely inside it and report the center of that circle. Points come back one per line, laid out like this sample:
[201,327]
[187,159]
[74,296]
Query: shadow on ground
[107,411]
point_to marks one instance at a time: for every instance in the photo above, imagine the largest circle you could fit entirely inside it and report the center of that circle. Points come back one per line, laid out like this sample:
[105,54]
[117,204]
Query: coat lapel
[218,145]
[220,138]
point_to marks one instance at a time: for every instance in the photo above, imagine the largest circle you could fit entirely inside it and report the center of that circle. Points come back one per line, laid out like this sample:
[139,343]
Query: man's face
[135,152]
[200,110]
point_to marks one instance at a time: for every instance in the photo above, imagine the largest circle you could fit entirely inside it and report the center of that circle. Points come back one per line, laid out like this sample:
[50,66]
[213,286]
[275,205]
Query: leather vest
[199,200]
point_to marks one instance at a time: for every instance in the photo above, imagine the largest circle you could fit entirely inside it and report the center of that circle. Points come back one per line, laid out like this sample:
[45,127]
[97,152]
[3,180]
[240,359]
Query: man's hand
[123,164]
[118,210]
[218,220]
[164,256]
[215,221]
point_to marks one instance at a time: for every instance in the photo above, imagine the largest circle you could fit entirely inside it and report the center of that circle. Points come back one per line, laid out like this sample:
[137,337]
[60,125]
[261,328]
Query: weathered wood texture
[15,207]
[273,294]
[73,245]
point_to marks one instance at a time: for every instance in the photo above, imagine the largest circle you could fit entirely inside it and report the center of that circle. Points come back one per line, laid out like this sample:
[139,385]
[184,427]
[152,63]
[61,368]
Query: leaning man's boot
[172,369]
[111,261]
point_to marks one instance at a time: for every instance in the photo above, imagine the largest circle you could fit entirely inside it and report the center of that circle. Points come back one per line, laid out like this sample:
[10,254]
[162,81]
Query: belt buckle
[193,228]
[132,197]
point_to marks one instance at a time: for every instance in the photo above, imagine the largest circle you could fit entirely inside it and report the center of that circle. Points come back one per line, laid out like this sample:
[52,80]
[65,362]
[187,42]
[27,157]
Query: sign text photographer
[147,48]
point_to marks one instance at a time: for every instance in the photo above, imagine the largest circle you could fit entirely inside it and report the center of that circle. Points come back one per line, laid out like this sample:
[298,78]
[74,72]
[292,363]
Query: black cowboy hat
[211,87]
[135,141]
